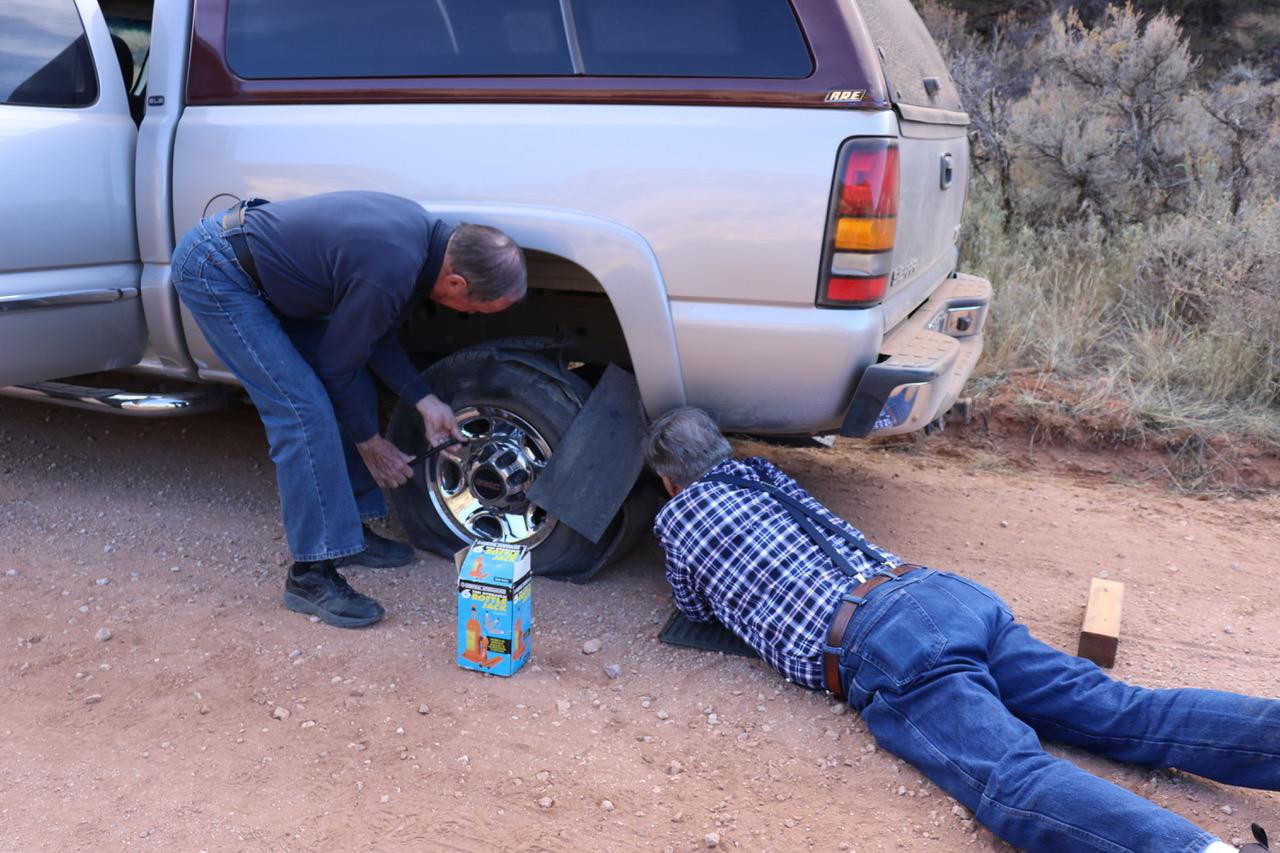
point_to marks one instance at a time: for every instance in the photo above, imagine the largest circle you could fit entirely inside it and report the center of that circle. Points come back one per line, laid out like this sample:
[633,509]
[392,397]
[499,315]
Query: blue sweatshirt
[364,261]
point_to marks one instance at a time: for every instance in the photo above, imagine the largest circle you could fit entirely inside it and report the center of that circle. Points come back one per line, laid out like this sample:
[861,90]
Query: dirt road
[165,736]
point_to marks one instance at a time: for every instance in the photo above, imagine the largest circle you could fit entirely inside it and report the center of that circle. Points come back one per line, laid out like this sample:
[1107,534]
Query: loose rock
[546,803]
[281,713]
[563,706]
[712,839]
[590,647]
[103,635]
[606,805]
[423,709]
[93,699]
[612,670]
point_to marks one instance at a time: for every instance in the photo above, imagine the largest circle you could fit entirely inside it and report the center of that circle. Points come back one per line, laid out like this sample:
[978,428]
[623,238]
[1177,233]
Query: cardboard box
[495,607]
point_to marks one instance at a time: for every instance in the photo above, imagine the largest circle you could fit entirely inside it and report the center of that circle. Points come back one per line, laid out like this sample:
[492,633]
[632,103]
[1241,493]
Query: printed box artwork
[495,607]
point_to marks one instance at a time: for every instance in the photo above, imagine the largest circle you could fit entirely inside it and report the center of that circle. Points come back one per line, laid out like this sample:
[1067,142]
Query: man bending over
[936,665]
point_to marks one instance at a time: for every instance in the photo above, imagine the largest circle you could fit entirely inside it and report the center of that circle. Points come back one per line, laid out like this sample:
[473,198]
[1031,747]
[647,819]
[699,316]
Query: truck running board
[113,401]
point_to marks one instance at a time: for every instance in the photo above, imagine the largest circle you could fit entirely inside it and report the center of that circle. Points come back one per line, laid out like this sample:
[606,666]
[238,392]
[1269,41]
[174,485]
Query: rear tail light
[858,260]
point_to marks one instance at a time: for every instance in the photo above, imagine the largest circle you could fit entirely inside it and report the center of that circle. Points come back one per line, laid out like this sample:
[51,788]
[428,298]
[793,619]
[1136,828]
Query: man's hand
[386,462]
[438,421]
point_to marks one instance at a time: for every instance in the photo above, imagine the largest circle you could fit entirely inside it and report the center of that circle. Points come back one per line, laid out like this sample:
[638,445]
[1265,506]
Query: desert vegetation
[1124,204]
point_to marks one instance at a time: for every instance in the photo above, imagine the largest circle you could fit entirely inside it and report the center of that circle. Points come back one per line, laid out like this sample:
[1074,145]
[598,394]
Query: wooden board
[1100,634]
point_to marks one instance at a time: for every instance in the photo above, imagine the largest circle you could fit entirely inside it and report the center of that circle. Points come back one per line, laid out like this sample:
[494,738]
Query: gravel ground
[157,696]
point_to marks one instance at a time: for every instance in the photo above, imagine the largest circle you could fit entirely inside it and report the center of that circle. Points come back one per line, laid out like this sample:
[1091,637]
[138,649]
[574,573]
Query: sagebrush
[1124,205]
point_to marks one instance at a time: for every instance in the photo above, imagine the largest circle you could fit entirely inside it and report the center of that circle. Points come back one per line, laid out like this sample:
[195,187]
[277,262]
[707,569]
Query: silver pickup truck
[752,205]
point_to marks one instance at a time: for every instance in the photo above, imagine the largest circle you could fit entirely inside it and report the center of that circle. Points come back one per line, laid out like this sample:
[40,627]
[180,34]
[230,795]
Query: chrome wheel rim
[479,488]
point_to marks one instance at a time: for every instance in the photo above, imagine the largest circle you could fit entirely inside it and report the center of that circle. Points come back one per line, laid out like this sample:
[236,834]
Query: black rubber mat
[708,636]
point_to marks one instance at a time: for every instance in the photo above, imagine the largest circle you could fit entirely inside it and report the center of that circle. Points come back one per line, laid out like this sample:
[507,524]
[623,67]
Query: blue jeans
[325,488]
[947,680]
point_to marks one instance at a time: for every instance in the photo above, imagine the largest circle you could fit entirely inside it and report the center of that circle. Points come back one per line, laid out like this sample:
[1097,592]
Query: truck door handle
[948,171]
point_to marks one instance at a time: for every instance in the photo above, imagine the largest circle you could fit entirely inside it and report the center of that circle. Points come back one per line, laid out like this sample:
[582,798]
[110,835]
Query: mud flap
[592,471]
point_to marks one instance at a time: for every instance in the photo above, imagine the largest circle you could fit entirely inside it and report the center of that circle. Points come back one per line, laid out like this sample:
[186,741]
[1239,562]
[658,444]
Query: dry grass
[1136,265]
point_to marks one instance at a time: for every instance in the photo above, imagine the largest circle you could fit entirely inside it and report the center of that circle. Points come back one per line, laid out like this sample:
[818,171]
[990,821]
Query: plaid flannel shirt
[738,556]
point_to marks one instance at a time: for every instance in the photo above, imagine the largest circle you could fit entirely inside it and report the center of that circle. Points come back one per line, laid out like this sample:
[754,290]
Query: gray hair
[490,261]
[684,444]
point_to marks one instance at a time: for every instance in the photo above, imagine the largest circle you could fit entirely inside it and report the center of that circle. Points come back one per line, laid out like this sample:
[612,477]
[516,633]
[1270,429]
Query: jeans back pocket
[900,644]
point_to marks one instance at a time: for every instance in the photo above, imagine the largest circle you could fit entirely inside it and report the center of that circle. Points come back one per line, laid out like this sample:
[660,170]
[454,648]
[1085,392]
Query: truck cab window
[44,55]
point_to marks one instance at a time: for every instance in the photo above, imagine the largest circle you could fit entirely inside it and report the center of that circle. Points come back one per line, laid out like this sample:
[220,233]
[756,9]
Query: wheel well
[565,303]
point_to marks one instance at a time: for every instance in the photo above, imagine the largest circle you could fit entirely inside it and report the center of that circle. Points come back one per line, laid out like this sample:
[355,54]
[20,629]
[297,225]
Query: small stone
[612,670]
[675,768]
[102,581]
[313,618]
[204,709]
[175,568]
[400,730]
[961,812]
[1228,630]
[93,699]
[606,805]
[83,608]
[543,776]
[590,647]
[663,715]
[1228,810]
[280,713]
[464,760]
[712,839]
[1004,524]
[385,798]
[546,803]
[11,573]
[563,706]
[423,709]
[309,724]
[103,635]
[295,653]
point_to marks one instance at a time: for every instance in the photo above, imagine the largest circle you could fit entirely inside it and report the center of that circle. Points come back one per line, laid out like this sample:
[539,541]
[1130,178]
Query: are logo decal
[845,96]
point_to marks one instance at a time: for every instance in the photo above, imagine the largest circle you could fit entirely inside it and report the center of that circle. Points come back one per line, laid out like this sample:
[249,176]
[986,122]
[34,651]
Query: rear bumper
[924,364]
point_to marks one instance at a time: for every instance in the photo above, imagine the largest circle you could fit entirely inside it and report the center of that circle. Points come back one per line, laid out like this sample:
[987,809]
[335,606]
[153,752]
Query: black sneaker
[1260,836]
[318,590]
[379,553]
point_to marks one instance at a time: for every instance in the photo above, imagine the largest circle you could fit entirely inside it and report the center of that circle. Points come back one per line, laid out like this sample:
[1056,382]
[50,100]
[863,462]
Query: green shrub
[1128,221]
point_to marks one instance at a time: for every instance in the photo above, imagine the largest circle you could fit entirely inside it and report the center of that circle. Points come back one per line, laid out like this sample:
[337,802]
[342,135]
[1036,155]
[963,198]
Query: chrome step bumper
[927,360]
[132,403]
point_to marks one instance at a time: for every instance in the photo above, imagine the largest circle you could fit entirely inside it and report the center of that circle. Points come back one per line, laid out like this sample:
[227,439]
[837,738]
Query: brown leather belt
[840,624]
[234,218]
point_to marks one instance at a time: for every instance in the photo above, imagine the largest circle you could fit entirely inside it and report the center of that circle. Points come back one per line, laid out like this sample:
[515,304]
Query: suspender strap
[810,520]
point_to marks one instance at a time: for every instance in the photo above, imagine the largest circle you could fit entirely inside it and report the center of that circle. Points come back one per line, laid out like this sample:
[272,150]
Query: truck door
[69,269]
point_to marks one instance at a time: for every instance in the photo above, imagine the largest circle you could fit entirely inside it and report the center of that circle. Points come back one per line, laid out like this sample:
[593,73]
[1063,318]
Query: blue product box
[495,607]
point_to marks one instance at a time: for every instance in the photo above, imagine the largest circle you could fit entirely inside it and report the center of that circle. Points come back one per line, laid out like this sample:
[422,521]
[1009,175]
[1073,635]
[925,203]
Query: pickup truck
[751,205]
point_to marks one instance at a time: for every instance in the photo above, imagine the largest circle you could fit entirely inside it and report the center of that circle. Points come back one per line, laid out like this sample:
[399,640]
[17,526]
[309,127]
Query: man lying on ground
[936,665]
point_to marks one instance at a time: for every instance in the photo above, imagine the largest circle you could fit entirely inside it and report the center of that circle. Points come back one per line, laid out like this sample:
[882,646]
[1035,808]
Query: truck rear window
[295,39]
[691,38]
[914,68]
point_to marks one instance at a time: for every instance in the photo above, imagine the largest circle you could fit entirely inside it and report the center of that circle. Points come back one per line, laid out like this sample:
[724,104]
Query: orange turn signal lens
[856,234]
